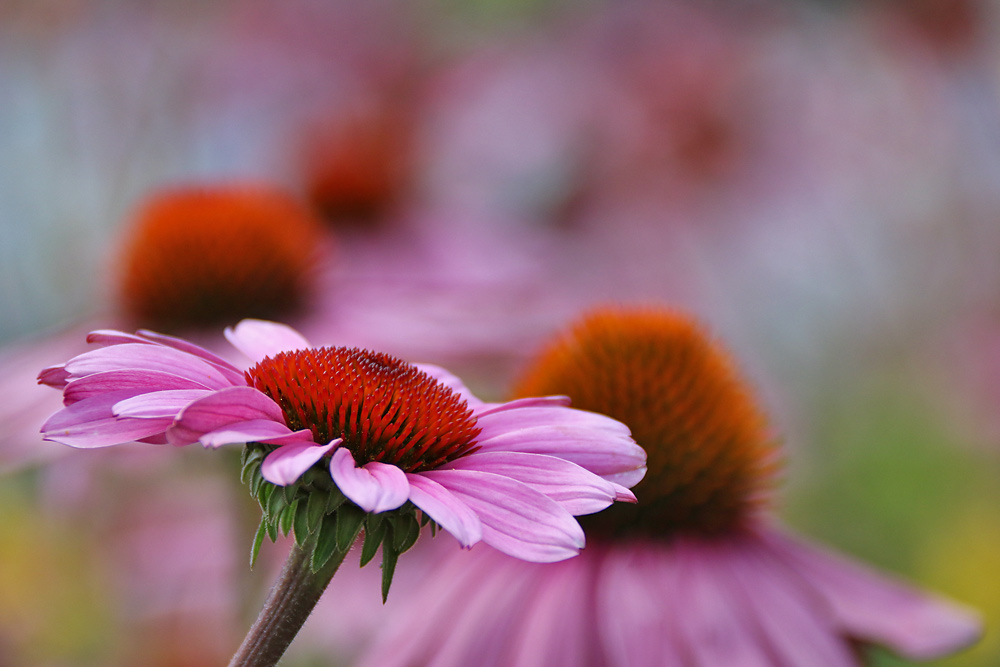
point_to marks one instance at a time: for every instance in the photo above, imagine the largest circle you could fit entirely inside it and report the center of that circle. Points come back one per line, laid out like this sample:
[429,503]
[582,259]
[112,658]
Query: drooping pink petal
[225,407]
[557,626]
[595,442]
[442,506]
[108,337]
[286,464]
[137,356]
[374,487]
[714,627]
[450,380]
[259,338]
[256,430]
[140,382]
[636,606]
[158,404]
[90,423]
[793,620]
[577,489]
[54,376]
[875,607]
[517,519]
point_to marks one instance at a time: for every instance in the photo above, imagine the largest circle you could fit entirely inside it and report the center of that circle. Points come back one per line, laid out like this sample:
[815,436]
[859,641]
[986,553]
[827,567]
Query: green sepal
[334,499]
[389,558]
[405,533]
[256,480]
[349,518]
[272,529]
[374,534]
[258,539]
[287,517]
[326,543]
[315,511]
[300,521]
[275,503]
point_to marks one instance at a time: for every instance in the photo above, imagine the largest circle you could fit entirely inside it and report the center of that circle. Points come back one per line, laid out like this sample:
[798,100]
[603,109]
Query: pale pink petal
[517,520]
[874,607]
[256,430]
[532,402]
[374,487]
[54,376]
[158,404]
[442,506]
[136,356]
[595,442]
[140,382]
[637,607]
[107,337]
[558,627]
[450,380]
[259,338]
[222,408]
[190,348]
[286,464]
[792,619]
[479,583]
[714,627]
[623,495]
[578,490]
[90,423]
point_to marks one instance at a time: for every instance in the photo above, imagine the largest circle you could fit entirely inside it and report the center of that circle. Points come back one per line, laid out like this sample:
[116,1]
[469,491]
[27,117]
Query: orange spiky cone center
[201,256]
[384,409]
[709,457]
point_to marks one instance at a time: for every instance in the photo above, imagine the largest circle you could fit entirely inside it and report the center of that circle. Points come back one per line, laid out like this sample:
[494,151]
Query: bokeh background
[818,182]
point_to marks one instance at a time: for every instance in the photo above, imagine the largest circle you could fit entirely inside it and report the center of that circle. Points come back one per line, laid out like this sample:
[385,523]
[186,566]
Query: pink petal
[190,348]
[637,609]
[222,408]
[375,487]
[140,382]
[595,442]
[286,464]
[158,404]
[792,618]
[534,402]
[107,337]
[578,490]
[443,507]
[875,607]
[136,356]
[259,338]
[257,430]
[713,626]
[558,627]
[90,423]
[450,380]
[517,520]
[54,376]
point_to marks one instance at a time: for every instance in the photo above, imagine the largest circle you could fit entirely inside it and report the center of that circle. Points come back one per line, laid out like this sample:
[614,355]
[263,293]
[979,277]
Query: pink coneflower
[337,424]
[510,474]
[694,573]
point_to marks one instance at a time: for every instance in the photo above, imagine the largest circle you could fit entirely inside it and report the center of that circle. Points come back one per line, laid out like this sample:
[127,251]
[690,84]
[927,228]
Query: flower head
[358,426]
[693,573]
[203,255]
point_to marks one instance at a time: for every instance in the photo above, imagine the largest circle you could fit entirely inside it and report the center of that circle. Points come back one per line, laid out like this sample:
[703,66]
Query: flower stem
[286,609]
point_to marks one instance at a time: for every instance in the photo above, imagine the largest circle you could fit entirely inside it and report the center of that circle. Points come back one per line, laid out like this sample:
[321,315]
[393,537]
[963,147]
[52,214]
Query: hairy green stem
[288,605]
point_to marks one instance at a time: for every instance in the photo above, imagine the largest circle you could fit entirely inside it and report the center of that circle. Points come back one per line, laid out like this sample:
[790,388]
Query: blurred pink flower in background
[693,573]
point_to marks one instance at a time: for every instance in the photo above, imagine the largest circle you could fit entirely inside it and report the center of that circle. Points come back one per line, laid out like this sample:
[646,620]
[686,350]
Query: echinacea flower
[192,258]
[694,573]
[510,474]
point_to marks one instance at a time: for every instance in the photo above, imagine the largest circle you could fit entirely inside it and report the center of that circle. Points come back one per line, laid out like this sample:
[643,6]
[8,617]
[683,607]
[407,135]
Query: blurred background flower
[816,180]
